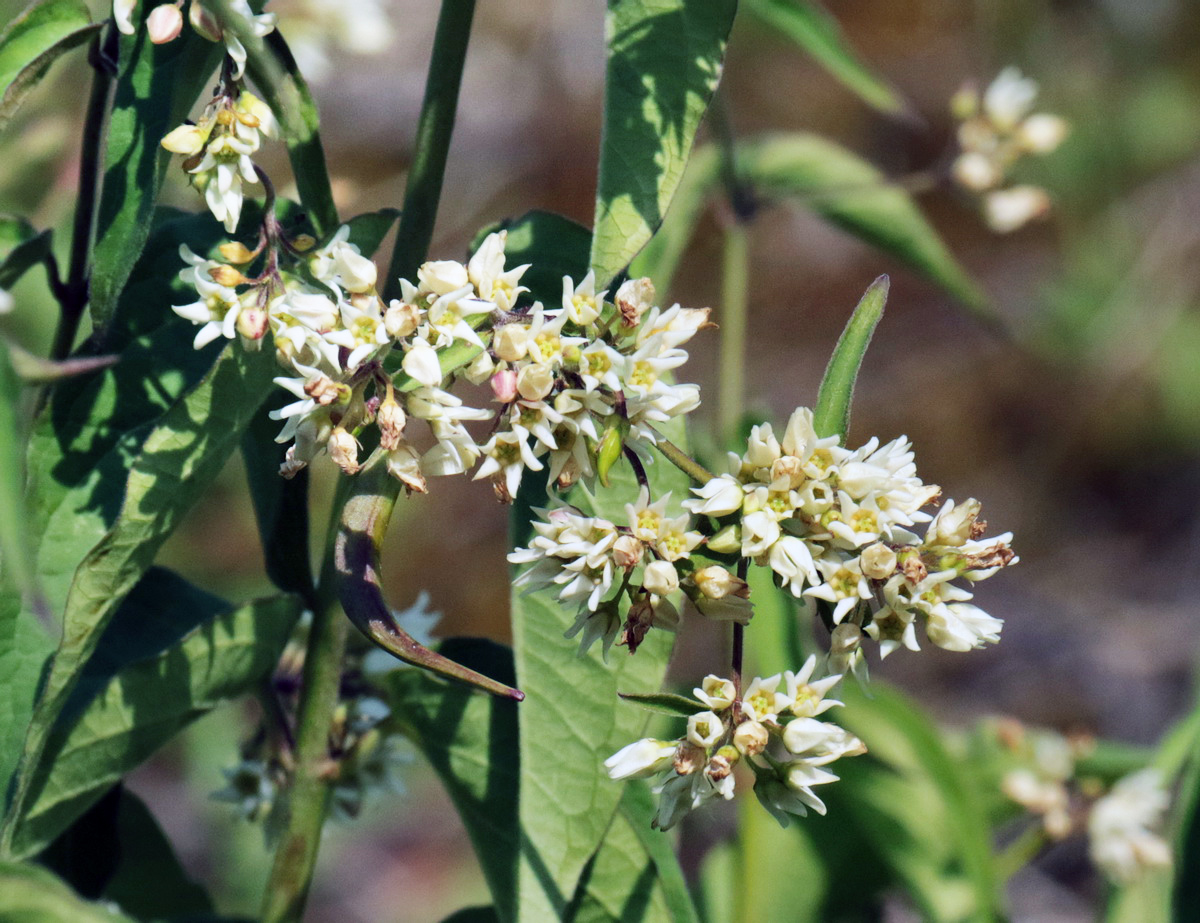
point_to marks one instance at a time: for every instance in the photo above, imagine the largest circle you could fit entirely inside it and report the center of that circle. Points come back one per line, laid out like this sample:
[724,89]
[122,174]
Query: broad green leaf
[818,33]
[118,852]
[153,477]
[1148,900]
[851,193]
[554,245]
[280,504]
[470,740]
[145,701]
[637,809]
[779,874]
[917,807]
[31,894]
[15,560]
[665,703]
[567,801]
[31,42]
[156,87]
[660,258]
[831,416]
[25,646]
[664,62]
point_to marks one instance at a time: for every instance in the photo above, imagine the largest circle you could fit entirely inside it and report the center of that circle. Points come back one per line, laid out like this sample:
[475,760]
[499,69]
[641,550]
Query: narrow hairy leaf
[156,86]
[831,416]
[854,195]
[664,62]
[818,34]
[470,740]
[665,703]
[29,892]
[32,41]
[129,704]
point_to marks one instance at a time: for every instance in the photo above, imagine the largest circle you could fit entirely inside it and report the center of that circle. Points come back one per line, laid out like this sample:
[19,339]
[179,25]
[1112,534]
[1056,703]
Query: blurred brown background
[1078,424]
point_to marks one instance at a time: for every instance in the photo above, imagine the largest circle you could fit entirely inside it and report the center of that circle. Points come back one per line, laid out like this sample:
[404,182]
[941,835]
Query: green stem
[73,295]
[436,125]
[732,367]
[681,460]
[1020,852]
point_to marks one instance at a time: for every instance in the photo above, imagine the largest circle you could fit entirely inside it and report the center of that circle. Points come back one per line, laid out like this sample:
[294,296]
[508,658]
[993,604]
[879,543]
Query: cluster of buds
[771,727]
[165,22]
[996,131]
[219,148]
[836,525]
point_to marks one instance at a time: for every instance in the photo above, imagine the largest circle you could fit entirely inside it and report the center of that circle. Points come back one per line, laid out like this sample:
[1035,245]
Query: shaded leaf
[665,703]
[31,893]
[818,33]
[16,566]
[831,416]
[32,41]
[851,193]
[129,704]
[25,648]
[664,62]
[156,87]
[368,230]
[23,256]
[486,914]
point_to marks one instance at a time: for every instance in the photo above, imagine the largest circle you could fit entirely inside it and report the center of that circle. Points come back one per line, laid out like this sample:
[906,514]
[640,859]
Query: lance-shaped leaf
[664,62]
[665,703]
[165,660]
[29,892]
[831,416]
[32,41]
[567,802]
[180,456]
[23,249]
[471,742]
[853,194]
[156,86]
[818,33]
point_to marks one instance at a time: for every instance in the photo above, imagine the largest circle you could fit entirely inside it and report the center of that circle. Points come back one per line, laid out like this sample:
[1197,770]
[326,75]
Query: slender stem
[681,460]
[434,130]
[74,293]
[308,803]
[1020,852]
[739,636]
[732,367]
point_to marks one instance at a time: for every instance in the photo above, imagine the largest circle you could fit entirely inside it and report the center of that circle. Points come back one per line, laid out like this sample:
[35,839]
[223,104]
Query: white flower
[660,578]
[808,694]
[762,699]
[718,497]
[1007,210]
[961,626]
[421,364]
[441,277]
[641,759]
[716,692]
[1009,98]
[704,729]
[1122,829]
[123,15]
[581,302]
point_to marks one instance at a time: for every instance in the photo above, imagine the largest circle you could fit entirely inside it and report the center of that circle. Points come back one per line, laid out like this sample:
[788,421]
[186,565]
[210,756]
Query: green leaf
[567,802]
[280,504]
[144,485]
[851,193]
[818,33]
[917,807]
[156,87]
[127,704]
[34,895]
[486,914]
[138,869]
[665,703]
[664,62]
[470,740]
[31,43]
[831,416]
[15,561]
[554,246]
[368,230]
[25,647]
[23,249]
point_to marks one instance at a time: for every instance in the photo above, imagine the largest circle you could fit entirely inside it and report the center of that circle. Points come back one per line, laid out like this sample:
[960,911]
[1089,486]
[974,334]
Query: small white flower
[716,692]
[640,759]
[421,364]
[1007,210]
[1122,829]
[718,497]
[704,729]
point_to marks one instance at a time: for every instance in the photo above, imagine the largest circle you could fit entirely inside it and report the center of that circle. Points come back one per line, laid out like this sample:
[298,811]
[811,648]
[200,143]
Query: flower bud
[1041,133]
[227,276]
[608,452]
[751,738]
[535,382]
[479,369]
[975,171]
[627,552]
[252,323]
[343,449]
[660,578]
[164,23]
[404,464]
[789,467]
[390,419]
[633,299]
[878,561]
[303,242]
[716,582]
[762,448]
[1007,210]
[952,525]
[442,276]
[235,252]
[204,22]
[325,391]
[421,364]
[504,386]
[727,541]
[401,319]
[186,139]
[511,342]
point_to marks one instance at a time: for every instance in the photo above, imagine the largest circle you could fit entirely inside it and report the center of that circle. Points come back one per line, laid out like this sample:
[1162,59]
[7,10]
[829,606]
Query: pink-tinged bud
[504,386]
[343,449]
[252,323]
[164,23]
[204,22]
[627,552]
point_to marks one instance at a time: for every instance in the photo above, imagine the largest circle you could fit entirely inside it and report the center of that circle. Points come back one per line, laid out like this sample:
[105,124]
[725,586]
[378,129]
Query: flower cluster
[777,713]
[836,525]
[321,33]
[1125,827]
[995,132]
